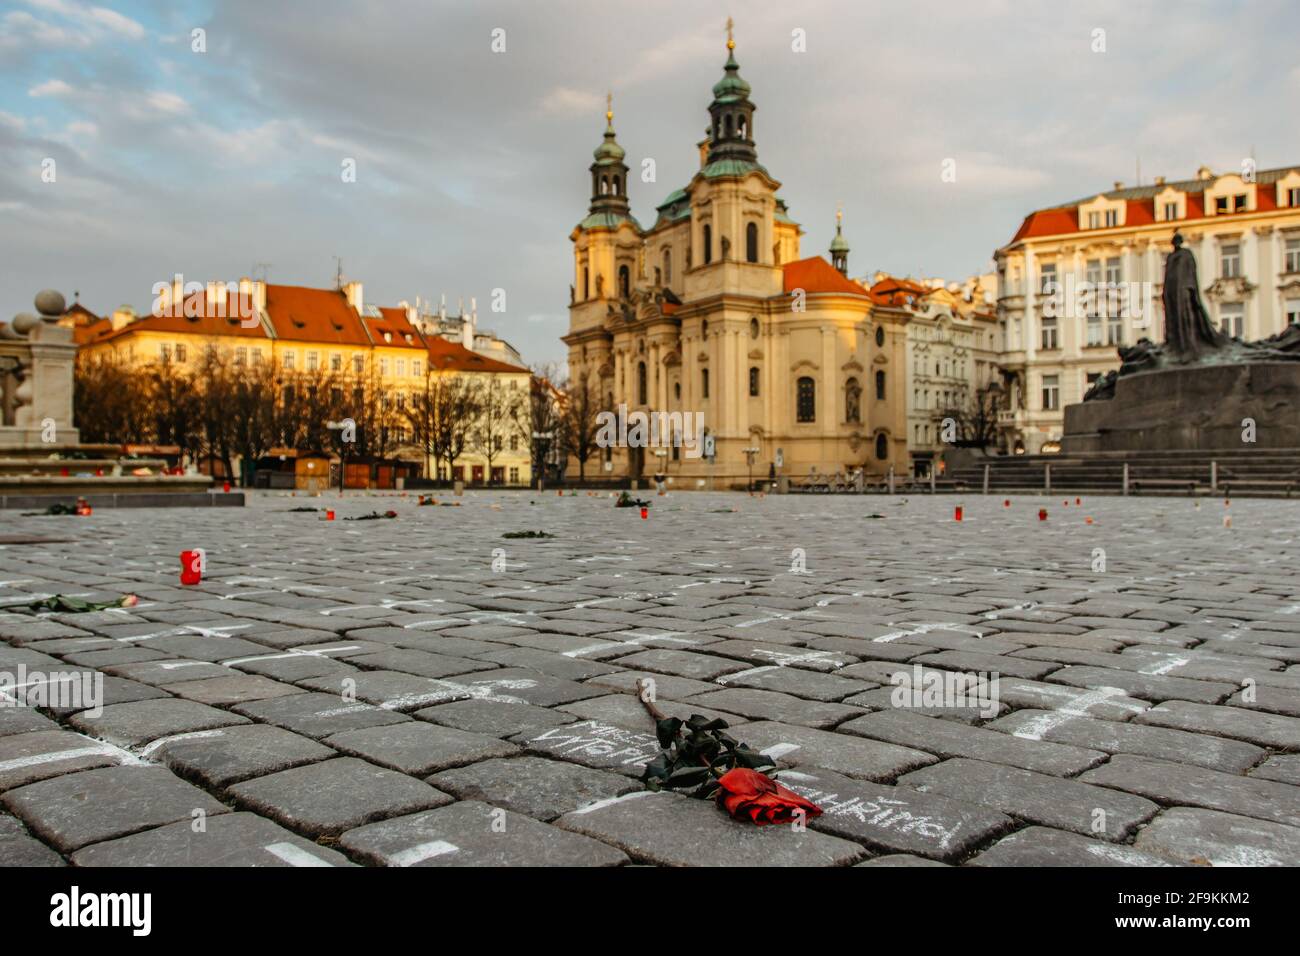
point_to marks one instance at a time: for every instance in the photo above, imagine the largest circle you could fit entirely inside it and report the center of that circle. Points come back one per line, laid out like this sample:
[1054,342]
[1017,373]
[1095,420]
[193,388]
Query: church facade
[711,310]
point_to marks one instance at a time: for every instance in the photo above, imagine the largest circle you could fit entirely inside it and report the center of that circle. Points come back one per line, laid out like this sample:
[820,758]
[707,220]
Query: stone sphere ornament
[51,302]
[24,322]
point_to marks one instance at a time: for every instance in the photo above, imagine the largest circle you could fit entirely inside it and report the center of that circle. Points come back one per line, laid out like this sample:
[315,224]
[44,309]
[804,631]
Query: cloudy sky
[471,165]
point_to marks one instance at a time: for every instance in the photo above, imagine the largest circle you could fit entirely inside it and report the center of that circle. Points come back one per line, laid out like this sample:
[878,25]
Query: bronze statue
[1189,334]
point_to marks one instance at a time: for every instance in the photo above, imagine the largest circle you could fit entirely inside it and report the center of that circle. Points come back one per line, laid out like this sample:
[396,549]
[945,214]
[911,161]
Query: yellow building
[1243,227]
[711,315]
[305,332]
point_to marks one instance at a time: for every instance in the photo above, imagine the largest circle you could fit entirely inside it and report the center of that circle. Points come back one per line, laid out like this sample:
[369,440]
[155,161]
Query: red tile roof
[395,324]
[815,274]
[454,357]
[208,318]
[314,315]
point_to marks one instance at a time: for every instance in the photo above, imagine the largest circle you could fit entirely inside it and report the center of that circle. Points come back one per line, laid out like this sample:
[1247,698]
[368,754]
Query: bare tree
[580,424]
[540,419]
[497,420]
[112,404]
[442,416]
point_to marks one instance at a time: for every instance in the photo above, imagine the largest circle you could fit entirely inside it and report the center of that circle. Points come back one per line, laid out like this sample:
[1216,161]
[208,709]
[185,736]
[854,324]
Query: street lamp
[750,455]
[346,434]
[662,471]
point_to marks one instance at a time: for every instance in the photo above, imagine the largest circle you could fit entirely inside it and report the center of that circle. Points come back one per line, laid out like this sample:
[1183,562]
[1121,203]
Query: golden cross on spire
[839,213]
[609,107]
[731,42]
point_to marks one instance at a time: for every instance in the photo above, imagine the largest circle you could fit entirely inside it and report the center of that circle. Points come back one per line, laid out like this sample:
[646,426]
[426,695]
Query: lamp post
[662,470]
[344,433]
[750,455]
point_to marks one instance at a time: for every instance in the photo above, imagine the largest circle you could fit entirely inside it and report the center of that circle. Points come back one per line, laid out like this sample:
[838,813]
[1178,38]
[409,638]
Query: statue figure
[1189,335]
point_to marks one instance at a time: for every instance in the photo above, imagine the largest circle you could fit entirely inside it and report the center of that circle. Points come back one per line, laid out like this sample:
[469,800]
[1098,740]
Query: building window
[1114,274]
[1114,329]
[180,352]
[241,356]
[514,442]
[313,360]
[624,282]
[704,383]
[880,336]
[514,475]
[1292,256]
[1049,333]
[753,382]
[358,363]
[256,356]
[164,351]
[1232,317]
[383,368]
[1112,218]
[882,447]
[753,328]
[1171,211]
[1094,331]
[1293,197]
[1051,392]
[1292,310]
[806,400]
[708,244]
[336,362]
[1230,260]
[641,388]
[586,284]
[1239,203]
[401,368]
[852,401]
[668,266]
[677,391]
[751,242]
[1047,279]
[417,368]
[286,361]
[1094,220]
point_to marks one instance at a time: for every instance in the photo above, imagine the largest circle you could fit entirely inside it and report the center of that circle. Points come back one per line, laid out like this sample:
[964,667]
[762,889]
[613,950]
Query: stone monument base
[1195,408]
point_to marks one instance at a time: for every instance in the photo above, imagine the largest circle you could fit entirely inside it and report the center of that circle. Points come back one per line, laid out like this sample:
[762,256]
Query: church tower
[840,246]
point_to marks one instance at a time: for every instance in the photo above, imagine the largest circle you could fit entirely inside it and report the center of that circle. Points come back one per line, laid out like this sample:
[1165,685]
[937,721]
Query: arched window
[882,446]
[753,327]
[753,381]
[852,401]
[751,242]
[641,390]
[880,335]
[776,253]
[604,185]
[880,386]
[704,383]
[615,189]
[586,283]
[668,266]
[741,128]
[806,400]
[728,126]
[624,282]
[677,391]
[708,244]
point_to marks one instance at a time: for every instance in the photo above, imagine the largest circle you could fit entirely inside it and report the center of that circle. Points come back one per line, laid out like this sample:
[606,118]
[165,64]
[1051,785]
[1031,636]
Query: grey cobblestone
[1170,684]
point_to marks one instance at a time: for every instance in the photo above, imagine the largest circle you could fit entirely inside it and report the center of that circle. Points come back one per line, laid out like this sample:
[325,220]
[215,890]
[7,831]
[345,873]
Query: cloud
[50,88]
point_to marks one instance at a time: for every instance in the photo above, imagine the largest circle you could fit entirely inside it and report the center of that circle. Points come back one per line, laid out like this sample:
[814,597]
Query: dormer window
[1293,197]
[1171,211]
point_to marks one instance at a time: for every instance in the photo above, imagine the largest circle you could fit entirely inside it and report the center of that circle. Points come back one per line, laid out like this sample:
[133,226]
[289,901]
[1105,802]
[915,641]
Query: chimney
[259,295]
[1160,180]
[353,292]
[217,298]
[178,292]
[1119,184]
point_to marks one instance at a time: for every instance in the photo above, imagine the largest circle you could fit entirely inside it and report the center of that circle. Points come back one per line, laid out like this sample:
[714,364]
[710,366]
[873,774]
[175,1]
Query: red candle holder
[191,567]
[329,515]
[225,486]
[645,512]
[1042,514]
[956,513]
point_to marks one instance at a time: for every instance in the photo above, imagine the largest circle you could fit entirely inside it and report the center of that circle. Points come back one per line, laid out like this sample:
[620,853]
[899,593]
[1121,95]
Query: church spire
[840,245]
[731,135]
[609,172]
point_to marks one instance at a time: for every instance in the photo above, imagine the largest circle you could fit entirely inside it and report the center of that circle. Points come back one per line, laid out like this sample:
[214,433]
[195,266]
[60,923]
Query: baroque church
[794,366]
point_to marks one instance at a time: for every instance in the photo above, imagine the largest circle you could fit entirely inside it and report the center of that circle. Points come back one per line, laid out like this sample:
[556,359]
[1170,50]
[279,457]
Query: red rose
[746,792]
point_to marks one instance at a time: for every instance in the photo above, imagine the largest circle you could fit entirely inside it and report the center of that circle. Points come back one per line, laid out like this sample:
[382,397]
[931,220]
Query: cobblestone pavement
[378,693]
